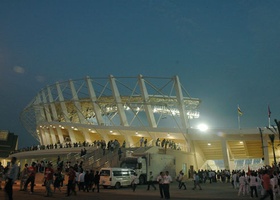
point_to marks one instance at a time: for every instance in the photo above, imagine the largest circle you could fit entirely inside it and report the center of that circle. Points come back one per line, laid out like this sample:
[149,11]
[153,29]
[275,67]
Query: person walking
[267,186]
[196,181]
[1,174]
[274,184]
[11,177]
[58,179]
[23,177]
[49,173]
[151,181]
[235,180]
[160,184]
[166,184]
[91,177]
[71,181]
[253,182]
[134,181]
[81,181]
[180,180]
[96,181]
[31,177]
[242,184]
[87,181]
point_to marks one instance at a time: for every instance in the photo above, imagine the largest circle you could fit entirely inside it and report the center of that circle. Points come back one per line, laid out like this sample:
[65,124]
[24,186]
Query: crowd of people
[78,178]
[111,145]
[264,182]
[164,143]
[60,146]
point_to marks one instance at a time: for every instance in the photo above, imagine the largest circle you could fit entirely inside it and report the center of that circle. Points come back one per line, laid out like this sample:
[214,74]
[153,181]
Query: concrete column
[47,136]
[96,108]
[78,108]
[60,135]
[265,150]
[128,140]
[52,134]
[147,106]
[40,137]
[44,140]
[65,112]
[72,136]
[54,114]
[181,104]
[40,115]
[183,115]
[118,100]
[48,116]
[225,152]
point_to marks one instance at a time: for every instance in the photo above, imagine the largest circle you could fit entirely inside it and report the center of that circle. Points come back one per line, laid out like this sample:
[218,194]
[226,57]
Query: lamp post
[261,133]
[272,138]
[278,126]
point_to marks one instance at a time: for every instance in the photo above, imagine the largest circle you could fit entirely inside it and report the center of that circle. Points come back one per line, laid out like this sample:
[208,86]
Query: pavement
[213,191]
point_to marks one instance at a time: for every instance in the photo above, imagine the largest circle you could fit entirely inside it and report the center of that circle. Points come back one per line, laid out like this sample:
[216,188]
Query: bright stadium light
[202,127]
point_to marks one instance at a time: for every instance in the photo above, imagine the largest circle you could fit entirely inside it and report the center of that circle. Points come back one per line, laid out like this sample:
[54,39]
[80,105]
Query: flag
[269,112]
[239,111]
[249,171]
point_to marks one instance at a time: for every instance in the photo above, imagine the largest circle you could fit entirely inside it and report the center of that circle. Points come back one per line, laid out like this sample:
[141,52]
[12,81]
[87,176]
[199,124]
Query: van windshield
[105,173]
[130,165]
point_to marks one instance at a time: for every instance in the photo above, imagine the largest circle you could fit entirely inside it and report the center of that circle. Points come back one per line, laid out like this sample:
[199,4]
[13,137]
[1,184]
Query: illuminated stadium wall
[124,108]
[129,108]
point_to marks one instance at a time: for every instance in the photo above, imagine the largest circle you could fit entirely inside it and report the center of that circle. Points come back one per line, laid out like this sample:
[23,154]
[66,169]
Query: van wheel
[118,185]
[142,180]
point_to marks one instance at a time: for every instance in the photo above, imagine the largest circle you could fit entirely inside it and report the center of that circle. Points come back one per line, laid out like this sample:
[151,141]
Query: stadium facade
[129,108]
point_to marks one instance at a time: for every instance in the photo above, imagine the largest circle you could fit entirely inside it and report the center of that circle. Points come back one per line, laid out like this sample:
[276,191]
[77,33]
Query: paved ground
[209,191]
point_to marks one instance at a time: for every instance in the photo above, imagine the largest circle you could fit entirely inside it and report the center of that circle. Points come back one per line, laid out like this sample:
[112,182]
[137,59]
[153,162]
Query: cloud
[40,79]
[19,69]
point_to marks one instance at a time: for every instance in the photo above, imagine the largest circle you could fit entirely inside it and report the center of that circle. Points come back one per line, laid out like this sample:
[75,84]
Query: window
[105,173]
[121,173]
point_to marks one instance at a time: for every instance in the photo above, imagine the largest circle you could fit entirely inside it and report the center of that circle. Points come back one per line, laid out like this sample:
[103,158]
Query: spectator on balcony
[120,153]
[163,143]
[124,144]
[141,141]
[158,142]
[145,142]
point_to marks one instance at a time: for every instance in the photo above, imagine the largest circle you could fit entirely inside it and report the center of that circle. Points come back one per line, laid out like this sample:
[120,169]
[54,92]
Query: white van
[116,177]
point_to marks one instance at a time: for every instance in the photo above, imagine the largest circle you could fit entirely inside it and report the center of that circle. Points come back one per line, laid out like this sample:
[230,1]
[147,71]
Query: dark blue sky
[225,52]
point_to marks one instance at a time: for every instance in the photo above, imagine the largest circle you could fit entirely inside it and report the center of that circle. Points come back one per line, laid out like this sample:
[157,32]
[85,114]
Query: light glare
[202,127]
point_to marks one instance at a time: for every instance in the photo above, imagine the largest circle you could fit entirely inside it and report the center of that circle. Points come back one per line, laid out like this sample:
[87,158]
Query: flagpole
[239,122]
[238,116]
[269,113]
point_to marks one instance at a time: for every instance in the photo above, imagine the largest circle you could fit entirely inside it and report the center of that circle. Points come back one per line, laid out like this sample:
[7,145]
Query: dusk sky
[225,52]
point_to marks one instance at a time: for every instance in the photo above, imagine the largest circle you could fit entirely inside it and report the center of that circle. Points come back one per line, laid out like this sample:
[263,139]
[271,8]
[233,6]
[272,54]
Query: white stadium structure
[129,108]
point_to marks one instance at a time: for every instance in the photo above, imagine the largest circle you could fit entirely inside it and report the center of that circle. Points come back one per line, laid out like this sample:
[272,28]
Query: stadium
[127,109]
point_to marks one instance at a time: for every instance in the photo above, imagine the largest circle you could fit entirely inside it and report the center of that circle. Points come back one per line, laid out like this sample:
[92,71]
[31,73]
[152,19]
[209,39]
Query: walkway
[214,191]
